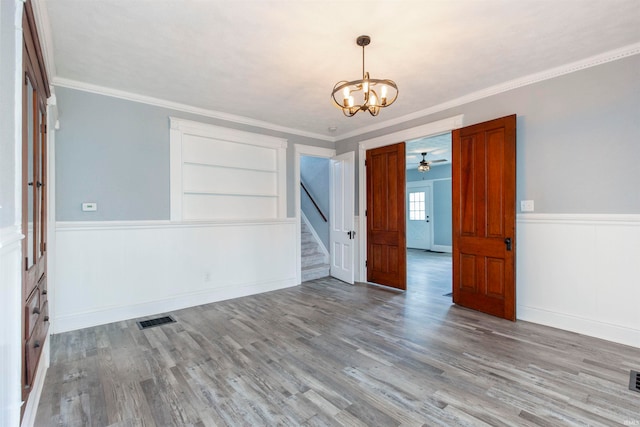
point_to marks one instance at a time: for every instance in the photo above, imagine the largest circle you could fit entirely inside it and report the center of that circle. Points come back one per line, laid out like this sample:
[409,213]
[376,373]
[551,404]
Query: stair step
[316,271]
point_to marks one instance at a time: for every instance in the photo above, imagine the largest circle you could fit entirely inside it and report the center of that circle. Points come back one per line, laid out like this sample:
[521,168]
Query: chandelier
[366,94]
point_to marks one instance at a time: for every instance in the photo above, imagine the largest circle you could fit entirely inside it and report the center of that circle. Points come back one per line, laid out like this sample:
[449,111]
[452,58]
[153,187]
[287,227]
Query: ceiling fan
[425,165]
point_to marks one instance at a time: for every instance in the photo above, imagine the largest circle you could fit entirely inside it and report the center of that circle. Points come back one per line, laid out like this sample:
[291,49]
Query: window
[417,209]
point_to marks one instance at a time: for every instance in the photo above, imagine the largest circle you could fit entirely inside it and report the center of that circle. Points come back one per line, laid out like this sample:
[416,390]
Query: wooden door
[386,239]
[484,203]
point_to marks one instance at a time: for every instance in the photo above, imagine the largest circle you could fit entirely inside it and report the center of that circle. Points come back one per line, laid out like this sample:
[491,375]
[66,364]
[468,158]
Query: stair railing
[313,201]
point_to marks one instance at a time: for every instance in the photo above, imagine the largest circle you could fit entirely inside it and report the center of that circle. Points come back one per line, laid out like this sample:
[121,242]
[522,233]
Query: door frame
[429,129]
[299,151]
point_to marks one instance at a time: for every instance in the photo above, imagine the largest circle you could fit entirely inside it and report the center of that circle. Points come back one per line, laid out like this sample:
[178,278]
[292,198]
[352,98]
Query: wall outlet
[526,205]
[89,206]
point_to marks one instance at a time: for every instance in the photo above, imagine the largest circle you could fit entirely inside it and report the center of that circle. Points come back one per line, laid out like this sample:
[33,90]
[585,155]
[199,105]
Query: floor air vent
[634,381]
[144,324]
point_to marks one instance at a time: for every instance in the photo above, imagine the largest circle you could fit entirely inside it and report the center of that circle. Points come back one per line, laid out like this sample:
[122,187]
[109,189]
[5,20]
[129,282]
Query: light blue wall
[116,153]
[577,138]
[436,172]
[314,172]
[442,217]
[8,103]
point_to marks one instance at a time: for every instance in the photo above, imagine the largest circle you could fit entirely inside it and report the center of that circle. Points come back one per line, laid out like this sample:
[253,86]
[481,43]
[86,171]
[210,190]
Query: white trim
[298,151]
[31,410]
[580,325]
[442,248]
[63,226]
[594,219]
[180,127]
[157,102]
[45,37]
[10,236]
[429,129]
[312,230]
[582,64]
[79,320]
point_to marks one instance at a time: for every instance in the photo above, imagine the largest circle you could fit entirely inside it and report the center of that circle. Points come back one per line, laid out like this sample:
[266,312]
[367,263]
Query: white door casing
[419,216]
[341,212]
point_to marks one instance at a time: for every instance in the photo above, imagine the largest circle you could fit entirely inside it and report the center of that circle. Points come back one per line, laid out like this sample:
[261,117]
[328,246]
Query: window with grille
[417,209]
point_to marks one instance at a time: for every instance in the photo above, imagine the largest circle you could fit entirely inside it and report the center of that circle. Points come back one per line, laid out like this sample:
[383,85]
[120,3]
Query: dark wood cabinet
[35,92]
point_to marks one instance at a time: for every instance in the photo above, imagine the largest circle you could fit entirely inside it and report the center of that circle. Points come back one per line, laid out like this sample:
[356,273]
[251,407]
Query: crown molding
[157,102]
[589,62]
[43,26]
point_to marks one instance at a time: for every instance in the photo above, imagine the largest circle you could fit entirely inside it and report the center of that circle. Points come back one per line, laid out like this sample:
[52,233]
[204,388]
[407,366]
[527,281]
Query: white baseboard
[441,248]
[597,329]
[74,321]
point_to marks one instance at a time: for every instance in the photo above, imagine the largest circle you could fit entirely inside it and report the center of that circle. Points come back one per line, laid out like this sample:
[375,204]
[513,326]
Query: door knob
[507,242]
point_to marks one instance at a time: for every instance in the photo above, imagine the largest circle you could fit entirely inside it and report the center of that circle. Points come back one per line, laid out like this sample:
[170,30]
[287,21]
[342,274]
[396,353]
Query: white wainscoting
[580,273]
[10,321]
[112,271]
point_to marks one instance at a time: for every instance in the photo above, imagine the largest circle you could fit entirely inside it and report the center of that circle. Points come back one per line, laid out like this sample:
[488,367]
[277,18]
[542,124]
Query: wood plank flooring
[328,353]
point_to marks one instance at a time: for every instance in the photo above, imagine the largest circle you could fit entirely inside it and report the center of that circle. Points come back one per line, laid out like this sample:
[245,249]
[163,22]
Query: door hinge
[365,212]
[366,263]
[26,263]
[43,128]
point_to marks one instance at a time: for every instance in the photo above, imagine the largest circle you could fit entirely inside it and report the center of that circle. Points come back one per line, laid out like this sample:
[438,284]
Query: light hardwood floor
[327,353]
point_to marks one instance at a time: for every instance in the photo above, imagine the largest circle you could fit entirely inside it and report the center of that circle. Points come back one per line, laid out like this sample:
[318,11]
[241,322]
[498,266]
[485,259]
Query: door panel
[484,202]
[386,238]
[341,210]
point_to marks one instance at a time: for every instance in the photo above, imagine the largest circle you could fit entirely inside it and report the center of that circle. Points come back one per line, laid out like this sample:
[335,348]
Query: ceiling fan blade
[438,161]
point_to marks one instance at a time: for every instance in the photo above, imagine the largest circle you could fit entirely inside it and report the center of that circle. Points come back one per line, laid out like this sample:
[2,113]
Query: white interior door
[419,219]
[342,204]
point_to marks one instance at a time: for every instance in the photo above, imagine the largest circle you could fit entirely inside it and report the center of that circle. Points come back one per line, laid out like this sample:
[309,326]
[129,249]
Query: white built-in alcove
[220,173]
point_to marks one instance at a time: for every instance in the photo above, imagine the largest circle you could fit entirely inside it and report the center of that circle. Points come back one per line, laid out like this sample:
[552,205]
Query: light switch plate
[526,205]
[89,206]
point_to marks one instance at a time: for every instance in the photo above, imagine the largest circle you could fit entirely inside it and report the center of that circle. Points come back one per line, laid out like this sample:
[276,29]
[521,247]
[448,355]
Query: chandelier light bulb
[373,101]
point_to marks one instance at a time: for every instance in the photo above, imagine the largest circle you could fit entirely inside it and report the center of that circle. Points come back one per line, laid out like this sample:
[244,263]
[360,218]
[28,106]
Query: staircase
[313,259]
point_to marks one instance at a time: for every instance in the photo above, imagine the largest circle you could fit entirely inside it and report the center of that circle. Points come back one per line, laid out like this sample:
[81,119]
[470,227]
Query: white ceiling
[276,61]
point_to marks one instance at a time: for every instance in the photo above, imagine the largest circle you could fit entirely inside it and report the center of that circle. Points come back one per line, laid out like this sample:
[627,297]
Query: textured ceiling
[277,61]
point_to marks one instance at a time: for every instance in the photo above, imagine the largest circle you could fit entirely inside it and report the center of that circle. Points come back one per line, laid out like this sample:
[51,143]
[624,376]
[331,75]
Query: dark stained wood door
[386,239]
[484,204]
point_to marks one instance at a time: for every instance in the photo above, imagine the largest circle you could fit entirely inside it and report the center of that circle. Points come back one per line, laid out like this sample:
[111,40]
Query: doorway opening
[428,217]
[314,217]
